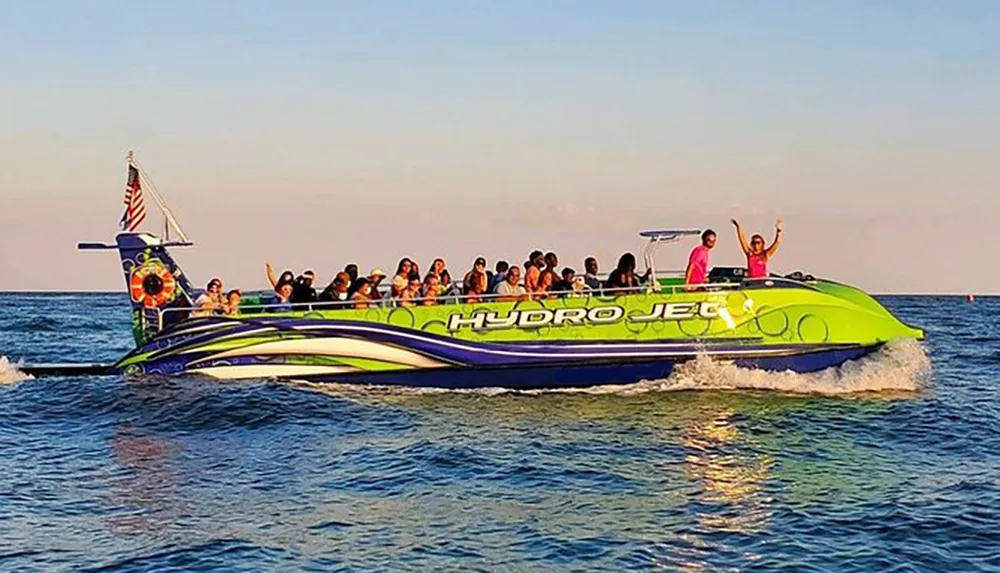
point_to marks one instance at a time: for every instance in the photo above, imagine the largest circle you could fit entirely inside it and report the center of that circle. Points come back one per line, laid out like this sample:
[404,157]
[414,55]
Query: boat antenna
[168,216]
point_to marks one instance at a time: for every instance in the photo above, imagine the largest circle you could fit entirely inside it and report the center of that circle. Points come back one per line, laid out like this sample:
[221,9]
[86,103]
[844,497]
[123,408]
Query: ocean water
[889,464]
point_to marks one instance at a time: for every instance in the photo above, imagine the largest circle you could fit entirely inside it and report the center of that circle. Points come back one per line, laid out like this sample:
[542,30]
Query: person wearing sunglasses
[757,255]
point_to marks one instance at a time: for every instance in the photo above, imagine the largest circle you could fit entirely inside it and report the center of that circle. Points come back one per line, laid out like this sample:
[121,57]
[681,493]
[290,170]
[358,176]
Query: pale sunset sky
[313,134]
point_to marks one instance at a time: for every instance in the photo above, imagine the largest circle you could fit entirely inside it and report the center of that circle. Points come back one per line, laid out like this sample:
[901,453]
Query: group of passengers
[539,280]
[215,301]
[409,287]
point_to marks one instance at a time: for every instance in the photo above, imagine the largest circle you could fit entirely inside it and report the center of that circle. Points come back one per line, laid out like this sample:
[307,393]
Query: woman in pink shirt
[757,255]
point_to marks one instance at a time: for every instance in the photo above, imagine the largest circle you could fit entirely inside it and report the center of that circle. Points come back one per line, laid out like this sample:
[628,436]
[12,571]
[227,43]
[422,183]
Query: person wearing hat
[375,278]
[475,281]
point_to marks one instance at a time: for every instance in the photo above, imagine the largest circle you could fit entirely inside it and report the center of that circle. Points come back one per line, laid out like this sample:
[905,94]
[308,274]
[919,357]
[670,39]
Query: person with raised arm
[757,255]
[287,276]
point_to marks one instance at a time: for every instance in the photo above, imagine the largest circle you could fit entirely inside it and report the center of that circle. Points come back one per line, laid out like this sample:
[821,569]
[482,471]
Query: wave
[65,323]
[37,324]
[899,366]
[9,373]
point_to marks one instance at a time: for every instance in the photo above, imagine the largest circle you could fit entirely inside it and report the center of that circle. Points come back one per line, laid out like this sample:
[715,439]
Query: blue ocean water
[882,466]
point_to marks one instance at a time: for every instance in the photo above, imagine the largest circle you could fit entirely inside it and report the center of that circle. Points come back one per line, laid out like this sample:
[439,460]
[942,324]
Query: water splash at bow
[899,366]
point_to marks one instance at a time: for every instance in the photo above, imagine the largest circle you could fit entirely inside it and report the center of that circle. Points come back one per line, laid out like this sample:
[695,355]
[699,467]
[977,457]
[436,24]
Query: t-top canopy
[669,234]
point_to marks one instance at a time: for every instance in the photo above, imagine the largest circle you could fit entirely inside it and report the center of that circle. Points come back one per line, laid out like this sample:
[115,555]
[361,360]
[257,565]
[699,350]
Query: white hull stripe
[269,371]
[347,347]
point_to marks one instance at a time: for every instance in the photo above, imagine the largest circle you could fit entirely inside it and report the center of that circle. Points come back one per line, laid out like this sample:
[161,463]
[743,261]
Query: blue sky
[331,132]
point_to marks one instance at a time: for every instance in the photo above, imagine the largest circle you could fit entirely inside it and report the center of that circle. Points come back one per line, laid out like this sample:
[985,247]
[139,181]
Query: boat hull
[580,375]
[353,352]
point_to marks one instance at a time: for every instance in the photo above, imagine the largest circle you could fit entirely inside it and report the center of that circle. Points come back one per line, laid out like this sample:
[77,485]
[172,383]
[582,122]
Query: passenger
[282,299]
[564,286]
[757,255]
[623,278]
[511,289]
[437,269]
[474,293]
[302,290]
[232,303]
[336,291]
[446,284]
[402,277]
[697,268]
[489,277]
[545,287]
[590,277]
[352,272]
[475,281]
[210,302]
[411,293]
[580,287]
[375,278]
[533,271]
[551,262]
[432,290]
[362,295]
[498,277]
[287,276]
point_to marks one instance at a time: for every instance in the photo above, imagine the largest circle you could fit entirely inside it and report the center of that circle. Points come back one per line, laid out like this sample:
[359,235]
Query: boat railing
[449,299]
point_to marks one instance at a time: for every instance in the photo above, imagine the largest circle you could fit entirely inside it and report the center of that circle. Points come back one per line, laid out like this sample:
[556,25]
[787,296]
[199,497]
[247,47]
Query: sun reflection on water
[731,479]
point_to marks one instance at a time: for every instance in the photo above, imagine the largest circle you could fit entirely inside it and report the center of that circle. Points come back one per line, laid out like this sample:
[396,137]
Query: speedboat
[797,322]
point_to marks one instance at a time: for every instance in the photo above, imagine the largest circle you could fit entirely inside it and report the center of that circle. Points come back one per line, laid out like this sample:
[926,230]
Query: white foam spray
[9,373]
[899,366]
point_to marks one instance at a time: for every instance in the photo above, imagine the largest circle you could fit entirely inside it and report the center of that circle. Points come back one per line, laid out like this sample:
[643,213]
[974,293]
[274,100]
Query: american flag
[135,209]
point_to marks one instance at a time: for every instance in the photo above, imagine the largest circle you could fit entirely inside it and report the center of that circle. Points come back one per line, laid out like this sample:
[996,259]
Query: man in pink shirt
[697,269]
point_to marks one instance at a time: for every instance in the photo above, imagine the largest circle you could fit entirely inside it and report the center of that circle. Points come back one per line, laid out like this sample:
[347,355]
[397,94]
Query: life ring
[152,284]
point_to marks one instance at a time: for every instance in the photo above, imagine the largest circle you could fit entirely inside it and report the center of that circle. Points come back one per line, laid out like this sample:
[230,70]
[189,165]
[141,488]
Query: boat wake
[899,366]
[9,373]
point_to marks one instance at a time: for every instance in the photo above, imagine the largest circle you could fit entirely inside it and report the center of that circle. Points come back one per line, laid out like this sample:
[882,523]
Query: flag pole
[168,217]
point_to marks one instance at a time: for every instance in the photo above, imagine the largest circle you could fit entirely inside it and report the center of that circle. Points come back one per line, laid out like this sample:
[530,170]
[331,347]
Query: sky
[315,134]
